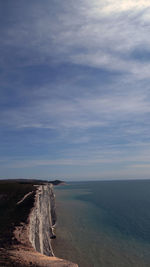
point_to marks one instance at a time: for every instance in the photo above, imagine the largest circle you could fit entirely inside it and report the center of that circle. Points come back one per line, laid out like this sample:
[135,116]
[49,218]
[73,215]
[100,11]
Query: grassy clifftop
[12,214]
[13,210]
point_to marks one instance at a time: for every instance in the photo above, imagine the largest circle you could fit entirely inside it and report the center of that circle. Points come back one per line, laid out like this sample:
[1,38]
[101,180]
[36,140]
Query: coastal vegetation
[16,201]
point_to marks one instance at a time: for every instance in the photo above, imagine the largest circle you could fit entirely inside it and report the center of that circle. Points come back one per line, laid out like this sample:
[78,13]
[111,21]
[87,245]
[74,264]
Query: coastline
[41,220]
[25,250]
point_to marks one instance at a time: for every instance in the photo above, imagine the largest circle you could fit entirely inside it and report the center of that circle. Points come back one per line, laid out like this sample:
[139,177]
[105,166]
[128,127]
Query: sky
[75,89]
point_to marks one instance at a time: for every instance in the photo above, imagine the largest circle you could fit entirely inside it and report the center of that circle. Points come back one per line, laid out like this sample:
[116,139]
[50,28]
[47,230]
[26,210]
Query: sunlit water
[103,224]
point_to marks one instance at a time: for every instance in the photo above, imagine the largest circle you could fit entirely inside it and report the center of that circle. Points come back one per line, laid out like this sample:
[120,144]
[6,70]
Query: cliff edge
[30,244]
[42,219]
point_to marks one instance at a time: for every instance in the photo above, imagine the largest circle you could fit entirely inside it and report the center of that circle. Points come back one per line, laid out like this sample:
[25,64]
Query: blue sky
[75,89]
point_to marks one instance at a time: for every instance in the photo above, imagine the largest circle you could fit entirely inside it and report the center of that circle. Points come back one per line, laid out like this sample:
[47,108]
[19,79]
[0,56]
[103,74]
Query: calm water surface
[104,224]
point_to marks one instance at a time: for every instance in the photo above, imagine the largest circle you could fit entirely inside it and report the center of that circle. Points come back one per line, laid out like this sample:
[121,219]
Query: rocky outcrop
[42,220]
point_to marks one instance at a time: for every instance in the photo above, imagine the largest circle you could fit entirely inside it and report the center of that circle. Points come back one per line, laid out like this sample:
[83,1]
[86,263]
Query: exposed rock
[42,219]
[41,223]
[33,239]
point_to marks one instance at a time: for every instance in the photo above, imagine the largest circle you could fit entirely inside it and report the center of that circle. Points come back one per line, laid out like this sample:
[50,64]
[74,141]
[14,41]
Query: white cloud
[117,6]
[95,33]
[79,113]
[108,122]
[100,163]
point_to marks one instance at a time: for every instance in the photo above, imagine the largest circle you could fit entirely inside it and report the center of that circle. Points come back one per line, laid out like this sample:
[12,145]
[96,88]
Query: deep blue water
[104,223]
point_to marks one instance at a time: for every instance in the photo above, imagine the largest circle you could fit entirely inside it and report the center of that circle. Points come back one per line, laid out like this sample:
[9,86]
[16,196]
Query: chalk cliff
[42,219]
[33,218]
[41,222]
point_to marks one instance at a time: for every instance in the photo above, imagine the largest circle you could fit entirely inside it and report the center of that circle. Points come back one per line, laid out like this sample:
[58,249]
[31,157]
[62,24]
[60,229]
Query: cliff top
[15,191]
[16,201]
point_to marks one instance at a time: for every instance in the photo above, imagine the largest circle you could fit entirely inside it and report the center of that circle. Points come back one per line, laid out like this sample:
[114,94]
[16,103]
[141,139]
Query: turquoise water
[104,223]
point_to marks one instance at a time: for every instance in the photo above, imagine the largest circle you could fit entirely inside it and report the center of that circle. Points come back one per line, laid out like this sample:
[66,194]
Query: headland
[28,217]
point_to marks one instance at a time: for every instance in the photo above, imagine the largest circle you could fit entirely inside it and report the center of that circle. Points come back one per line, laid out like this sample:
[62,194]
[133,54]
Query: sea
[103,223]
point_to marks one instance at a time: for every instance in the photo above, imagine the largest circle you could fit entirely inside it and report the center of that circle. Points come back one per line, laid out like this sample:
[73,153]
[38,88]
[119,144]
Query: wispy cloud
[75,85]
[78,112]
[97,33]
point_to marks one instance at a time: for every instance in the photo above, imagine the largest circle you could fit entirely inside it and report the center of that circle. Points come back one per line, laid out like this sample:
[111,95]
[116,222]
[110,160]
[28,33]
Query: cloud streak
[97,34]
[75,85]
[79,113]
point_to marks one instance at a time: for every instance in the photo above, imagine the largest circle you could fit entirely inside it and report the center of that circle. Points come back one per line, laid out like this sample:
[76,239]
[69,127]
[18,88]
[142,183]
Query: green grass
[12,214]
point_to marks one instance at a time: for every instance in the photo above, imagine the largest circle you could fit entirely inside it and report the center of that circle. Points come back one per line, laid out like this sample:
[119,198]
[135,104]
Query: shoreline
[23,253]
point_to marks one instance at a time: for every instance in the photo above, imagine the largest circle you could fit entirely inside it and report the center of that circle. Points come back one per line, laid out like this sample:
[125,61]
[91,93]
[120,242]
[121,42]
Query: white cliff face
[42,218]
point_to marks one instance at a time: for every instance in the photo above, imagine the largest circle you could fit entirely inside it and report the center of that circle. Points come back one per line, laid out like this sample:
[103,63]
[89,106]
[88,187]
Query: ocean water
[104,224]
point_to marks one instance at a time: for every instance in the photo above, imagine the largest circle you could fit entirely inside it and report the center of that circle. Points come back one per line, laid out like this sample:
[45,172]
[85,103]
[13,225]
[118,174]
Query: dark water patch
[125,206]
